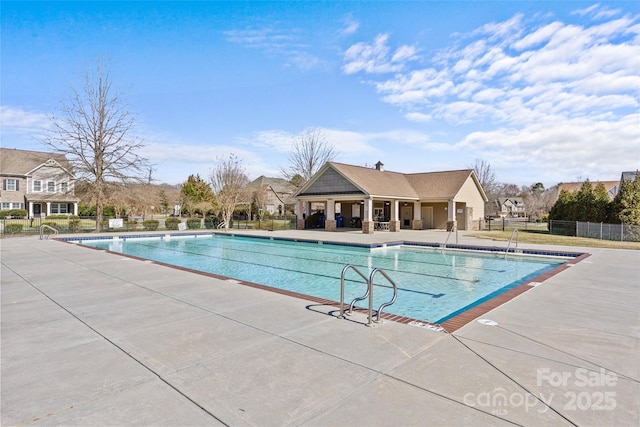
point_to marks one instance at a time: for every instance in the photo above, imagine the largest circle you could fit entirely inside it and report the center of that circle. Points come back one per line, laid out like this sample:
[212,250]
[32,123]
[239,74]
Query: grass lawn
[542,238]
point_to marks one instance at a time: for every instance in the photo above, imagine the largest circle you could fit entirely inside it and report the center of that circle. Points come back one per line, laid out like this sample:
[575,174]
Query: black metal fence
[508,224]
[22,226]
[272,222]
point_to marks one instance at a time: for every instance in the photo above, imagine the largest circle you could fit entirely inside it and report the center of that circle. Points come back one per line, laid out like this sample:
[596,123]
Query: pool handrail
[386,304]
[46,236]
[514,232]
[453,228]
[344,272]
[368,294]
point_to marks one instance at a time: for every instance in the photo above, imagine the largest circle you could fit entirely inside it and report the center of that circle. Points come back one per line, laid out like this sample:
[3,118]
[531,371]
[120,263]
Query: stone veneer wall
[367,227]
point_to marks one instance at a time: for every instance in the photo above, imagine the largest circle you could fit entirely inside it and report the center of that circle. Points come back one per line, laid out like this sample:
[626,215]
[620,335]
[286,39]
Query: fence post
[622,231]
[600,230]
[502,223]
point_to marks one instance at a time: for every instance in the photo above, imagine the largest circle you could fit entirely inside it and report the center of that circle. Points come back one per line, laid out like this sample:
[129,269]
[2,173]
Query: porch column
[30,209]
[75,208]
[300,215]
[367,217]
[394,221]
[416,223]
[330,223]
[451,215]
[48,208]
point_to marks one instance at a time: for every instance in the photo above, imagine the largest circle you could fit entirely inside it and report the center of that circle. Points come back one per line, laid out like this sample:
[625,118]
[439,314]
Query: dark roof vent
[380,166]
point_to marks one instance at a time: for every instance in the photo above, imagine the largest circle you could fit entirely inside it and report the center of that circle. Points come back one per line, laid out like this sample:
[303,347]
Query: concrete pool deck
[93,338]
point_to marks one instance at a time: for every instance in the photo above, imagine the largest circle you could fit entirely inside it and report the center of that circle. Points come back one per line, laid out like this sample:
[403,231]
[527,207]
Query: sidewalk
[92,338]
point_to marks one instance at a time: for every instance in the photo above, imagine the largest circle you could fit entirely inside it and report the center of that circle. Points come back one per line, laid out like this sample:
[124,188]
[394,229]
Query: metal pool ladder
[513,233]
[368,293]
[46,236]
[453,228]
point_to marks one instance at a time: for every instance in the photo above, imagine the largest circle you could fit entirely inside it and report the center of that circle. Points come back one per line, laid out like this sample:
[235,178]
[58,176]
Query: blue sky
[543,91]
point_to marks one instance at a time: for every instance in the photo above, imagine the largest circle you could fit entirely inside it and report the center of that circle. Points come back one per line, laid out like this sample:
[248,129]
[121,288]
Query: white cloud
[597,11]
[559,96]
[376,57]
[418,117]
[277,43]
[351,26]
[18,120]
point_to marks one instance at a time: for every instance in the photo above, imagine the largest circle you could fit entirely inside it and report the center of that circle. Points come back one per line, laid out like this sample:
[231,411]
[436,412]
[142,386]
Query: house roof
[279,185]
[515,200]
[22,162]
[382,183]
[629,175]
[572,187]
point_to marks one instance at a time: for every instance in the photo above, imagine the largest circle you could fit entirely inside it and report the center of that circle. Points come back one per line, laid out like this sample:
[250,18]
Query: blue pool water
[432,285]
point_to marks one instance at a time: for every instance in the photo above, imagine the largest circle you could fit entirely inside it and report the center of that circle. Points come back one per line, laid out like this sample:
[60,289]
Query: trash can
[339,221]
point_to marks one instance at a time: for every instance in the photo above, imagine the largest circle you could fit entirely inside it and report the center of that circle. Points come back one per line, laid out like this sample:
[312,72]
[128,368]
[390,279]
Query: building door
[427,217]
[405,216]
[37,210]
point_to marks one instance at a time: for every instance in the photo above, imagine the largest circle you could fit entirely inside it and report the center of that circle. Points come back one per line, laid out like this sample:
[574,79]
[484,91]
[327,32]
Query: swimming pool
[433,285]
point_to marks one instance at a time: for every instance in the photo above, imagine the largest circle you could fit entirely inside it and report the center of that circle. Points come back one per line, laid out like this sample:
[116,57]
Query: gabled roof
[378,183]
[442,185]
[572,187]
[278,185]
[576,186]
[23,162]
[515,200]
[629,175]
[375,182]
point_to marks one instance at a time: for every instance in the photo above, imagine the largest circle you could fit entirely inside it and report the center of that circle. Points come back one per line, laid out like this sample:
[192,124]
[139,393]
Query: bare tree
[309,152]
[94,131]
[228,181]
[486,176]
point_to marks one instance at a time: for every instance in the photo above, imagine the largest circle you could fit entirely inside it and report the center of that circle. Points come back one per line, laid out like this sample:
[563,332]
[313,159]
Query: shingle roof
[576,186]
[20,162]
[376,182]
[439,185]
[279,185]
[418,186]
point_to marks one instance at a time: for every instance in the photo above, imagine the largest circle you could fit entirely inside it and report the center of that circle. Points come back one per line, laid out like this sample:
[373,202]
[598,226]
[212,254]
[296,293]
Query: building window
[64,187]
[51,187]
[10,185]
[37,186]
[6,206]
[58,208]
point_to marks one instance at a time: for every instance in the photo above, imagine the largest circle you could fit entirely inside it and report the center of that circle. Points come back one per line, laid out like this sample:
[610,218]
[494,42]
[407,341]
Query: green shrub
[62,216]
[74,225]
[14,213]
[171,223]
[150,224]
[13,229]
[212,222]
[51,224]
[194,223]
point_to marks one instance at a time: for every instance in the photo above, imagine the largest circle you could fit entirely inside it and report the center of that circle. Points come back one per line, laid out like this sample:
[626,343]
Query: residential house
[630,176]
[612,187]
[510,207]
[275,194]
[375,199]
[40,182]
